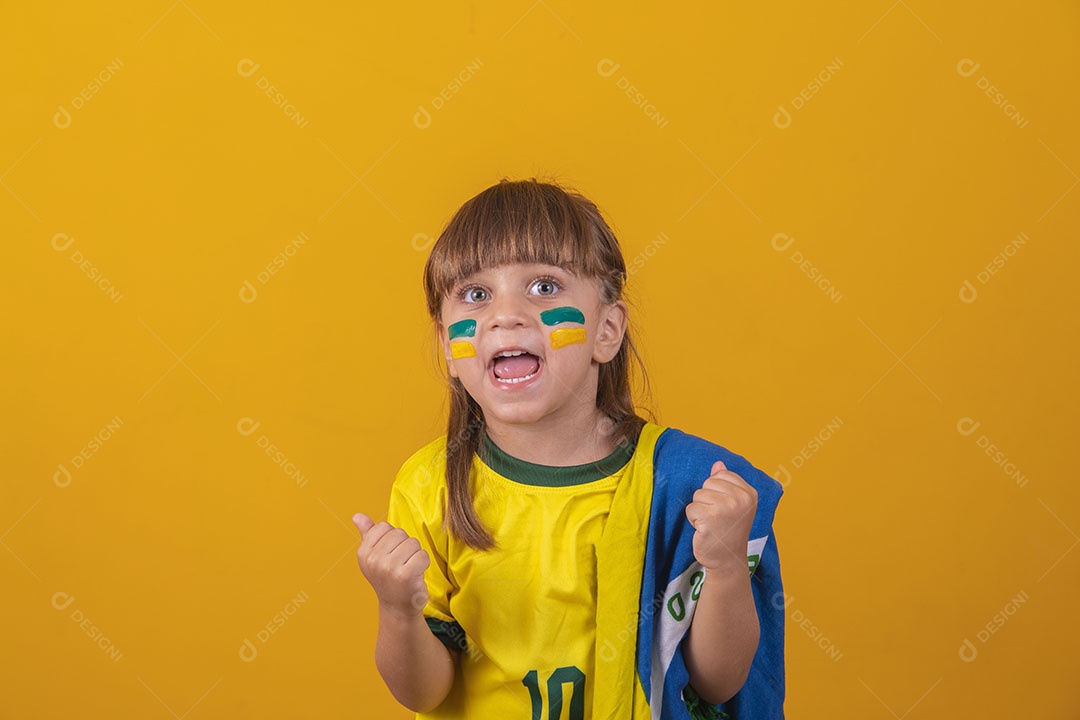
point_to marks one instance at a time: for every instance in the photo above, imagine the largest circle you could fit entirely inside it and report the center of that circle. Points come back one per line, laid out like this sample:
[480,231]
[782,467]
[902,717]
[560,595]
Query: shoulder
[681,457]
[425,458]
[422,475]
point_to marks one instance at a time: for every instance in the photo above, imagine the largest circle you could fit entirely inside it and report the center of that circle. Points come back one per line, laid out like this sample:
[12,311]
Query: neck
[555,441]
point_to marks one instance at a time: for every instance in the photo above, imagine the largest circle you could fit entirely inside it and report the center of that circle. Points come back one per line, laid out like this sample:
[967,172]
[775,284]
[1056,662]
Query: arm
[417,668]
[723,635]
[724,632]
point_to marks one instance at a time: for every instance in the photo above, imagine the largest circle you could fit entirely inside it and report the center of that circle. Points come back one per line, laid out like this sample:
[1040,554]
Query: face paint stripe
[462,349]
[567,336]
[554,316]
[462,328]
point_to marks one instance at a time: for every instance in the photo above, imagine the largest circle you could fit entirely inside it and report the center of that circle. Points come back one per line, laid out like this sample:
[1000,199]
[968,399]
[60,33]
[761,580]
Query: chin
[515,414]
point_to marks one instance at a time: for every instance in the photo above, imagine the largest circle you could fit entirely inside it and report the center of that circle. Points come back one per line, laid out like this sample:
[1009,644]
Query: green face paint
[462,328]
[564,336]
[554,316]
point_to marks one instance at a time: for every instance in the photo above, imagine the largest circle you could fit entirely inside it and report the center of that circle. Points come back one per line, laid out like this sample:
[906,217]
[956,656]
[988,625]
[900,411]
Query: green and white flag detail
[680,599]
[754,548]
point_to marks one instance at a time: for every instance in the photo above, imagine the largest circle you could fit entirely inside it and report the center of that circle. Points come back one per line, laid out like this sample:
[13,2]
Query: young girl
[555,554]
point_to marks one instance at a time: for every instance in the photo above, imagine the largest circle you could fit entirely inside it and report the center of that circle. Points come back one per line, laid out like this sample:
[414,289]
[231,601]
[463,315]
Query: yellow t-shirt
[521,618]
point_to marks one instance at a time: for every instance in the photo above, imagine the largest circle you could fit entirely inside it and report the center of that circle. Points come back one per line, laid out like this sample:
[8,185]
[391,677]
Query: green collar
[529,473]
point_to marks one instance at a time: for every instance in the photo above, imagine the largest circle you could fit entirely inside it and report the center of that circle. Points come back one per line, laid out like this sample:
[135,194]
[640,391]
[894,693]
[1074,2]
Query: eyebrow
[540,269]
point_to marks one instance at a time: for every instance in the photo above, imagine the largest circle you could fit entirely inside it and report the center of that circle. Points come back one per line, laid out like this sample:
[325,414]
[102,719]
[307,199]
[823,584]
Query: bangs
[523,221]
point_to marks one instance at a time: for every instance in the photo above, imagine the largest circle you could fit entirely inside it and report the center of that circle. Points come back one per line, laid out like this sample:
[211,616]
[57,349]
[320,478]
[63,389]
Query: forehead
[518,270]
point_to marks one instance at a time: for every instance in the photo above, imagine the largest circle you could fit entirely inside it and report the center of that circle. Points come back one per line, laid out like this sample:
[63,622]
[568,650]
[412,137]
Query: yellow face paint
[462,349]
[567,336]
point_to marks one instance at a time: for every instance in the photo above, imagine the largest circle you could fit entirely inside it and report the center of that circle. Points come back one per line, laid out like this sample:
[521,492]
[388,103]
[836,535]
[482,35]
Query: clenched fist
[722,512]
[394,564]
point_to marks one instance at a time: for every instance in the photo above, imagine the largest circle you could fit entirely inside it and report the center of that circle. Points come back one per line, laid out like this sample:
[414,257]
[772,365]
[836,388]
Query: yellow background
[179,180]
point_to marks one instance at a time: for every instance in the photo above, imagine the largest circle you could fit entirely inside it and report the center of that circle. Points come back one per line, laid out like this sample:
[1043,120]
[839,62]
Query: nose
[507,311]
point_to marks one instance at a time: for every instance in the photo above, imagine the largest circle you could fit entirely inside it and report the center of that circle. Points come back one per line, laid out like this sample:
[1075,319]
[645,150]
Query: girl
[556,554]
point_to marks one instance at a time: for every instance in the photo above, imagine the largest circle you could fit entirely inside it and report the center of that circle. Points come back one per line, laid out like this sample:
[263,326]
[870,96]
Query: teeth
[511,381]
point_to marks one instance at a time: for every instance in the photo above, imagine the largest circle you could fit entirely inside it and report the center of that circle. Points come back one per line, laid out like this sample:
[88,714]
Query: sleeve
[416,506]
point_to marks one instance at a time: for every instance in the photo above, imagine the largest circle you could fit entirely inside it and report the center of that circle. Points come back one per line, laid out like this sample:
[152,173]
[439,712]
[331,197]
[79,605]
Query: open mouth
[511,367]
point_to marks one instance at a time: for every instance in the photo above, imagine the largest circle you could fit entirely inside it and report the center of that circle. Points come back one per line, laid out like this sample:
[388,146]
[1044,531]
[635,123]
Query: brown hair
[525,221]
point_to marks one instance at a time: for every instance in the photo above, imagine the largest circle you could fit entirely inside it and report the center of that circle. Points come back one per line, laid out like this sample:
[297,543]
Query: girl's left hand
[722,512]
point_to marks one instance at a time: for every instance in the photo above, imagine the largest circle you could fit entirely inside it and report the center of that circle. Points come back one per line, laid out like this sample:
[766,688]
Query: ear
[610,331]
[444,343]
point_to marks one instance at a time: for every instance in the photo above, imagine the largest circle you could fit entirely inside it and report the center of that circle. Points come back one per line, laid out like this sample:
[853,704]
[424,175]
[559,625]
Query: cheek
[566,331]
[462,349]
[564,337]
[460,343]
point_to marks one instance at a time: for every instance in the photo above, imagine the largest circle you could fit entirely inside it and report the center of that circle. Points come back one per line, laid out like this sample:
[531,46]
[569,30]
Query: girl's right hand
[394,564]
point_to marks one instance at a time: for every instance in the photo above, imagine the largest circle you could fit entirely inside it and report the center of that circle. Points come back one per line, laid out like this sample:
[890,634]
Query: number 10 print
[568,674]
